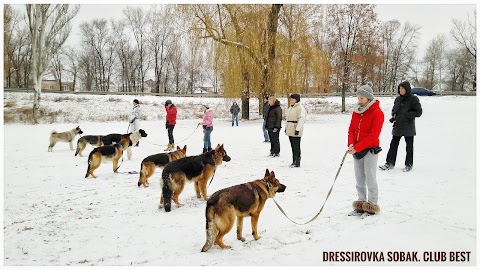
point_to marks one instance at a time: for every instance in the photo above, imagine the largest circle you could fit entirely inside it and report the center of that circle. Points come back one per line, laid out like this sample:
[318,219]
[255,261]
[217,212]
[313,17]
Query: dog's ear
[185,148]
[272,174]
[178,147]
[218,146]
[267,173]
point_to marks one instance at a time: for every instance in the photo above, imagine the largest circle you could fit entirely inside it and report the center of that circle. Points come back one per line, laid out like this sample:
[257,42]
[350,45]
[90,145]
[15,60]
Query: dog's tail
[142,175]
[167,191]
[53,132]
[89,163]
[211,229]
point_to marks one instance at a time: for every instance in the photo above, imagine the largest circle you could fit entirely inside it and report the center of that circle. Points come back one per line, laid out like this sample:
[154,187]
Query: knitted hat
[136,101]
[205,106]
[168,102]
[295,96]
[365,91]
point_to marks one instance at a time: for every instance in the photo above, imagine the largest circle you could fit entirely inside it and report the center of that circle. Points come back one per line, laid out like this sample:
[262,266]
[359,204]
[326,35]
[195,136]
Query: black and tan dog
[106,153]
[238,201]
[99,140]
[197,169]
[66,136]
[150,163]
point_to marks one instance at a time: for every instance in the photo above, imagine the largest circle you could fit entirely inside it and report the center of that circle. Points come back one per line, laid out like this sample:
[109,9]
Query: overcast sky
[434,19]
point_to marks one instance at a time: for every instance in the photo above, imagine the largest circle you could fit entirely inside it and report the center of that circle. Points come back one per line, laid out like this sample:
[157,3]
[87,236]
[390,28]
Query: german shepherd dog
[150,163]
[66,136]
[238,201]
[99,140]
[93,140]
[104,153]
[196,169]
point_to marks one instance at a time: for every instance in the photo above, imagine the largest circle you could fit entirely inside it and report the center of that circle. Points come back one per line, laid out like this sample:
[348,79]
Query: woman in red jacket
[363,144]
[171,120]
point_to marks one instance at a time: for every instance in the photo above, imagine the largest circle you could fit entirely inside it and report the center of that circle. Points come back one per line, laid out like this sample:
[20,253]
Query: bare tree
[346,25]
[464,33]
[137,20]
[159,31]
[49,28]
[398,52]
[433,61]
[72,66]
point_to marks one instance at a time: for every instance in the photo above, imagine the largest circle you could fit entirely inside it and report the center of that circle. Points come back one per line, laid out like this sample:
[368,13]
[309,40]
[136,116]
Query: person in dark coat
[234,110]
[405,109]
[266,108]
[274,124]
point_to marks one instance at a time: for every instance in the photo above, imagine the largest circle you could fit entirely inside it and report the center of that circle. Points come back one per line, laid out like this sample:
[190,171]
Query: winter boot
[407,168]
[168,148]
[357,208]
[209,149]
[297,162]
[293,162]
[204,150]
[370,208]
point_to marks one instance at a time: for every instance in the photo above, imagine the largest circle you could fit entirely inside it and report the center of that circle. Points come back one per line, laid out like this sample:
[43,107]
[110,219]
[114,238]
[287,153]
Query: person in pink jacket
[207,124]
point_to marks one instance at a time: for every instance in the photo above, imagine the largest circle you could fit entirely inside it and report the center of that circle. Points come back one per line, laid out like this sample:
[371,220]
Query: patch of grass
[114,99]
[9,104]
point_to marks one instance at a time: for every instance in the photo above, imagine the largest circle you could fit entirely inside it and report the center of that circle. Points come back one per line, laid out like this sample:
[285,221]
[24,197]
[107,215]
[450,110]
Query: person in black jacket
[273,124]
[405,109]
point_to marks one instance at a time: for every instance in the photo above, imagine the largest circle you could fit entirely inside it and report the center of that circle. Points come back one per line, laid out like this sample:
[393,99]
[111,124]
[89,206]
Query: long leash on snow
[176,142]
[328,195]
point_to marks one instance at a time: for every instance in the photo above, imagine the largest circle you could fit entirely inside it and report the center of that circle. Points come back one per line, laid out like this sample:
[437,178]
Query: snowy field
[54,216]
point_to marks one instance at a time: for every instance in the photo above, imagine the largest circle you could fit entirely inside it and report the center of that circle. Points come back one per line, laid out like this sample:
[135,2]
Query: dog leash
[176,142]
[328,195]
[212,178]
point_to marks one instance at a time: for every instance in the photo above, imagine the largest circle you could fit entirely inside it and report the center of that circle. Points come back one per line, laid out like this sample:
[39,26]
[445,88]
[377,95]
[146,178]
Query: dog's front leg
[239,229]
[71,145]
[255,218]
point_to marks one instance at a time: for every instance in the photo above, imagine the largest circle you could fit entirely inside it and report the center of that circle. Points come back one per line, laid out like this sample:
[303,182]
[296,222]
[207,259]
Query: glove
[296,132]
[392,120]
[166,125]
[275,130]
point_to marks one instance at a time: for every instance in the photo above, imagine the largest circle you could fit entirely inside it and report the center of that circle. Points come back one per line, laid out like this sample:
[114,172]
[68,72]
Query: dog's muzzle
[281,188]
[226,158]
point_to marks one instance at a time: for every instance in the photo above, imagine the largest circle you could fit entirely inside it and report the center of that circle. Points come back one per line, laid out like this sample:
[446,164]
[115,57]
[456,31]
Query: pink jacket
[208,118]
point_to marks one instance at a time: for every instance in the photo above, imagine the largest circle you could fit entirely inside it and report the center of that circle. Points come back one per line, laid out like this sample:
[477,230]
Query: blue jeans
[234,118]
[207,144]
[265,132]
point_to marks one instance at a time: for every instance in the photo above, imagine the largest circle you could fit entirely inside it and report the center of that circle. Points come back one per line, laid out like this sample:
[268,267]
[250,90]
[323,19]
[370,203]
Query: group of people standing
[363,134]
[272,124]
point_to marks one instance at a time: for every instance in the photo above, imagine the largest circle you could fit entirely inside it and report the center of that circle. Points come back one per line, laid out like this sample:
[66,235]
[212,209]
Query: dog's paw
[256,237]
[241,239]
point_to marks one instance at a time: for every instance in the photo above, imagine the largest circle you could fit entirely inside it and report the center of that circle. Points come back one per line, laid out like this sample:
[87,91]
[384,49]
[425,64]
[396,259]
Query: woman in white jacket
[295,117]
[135,116]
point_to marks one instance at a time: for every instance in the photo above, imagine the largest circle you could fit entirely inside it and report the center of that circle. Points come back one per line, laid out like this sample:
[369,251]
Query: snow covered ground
[54,216]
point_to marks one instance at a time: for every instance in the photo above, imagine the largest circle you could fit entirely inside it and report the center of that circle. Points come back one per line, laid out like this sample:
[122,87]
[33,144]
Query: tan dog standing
[66,136]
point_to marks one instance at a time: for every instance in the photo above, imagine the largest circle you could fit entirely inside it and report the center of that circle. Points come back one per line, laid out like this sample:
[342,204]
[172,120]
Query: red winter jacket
[171,115]
[365,128]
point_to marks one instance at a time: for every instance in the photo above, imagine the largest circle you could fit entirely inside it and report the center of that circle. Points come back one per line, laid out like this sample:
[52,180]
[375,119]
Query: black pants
[392,152]
[170,134]
[274,142]
[295,143]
